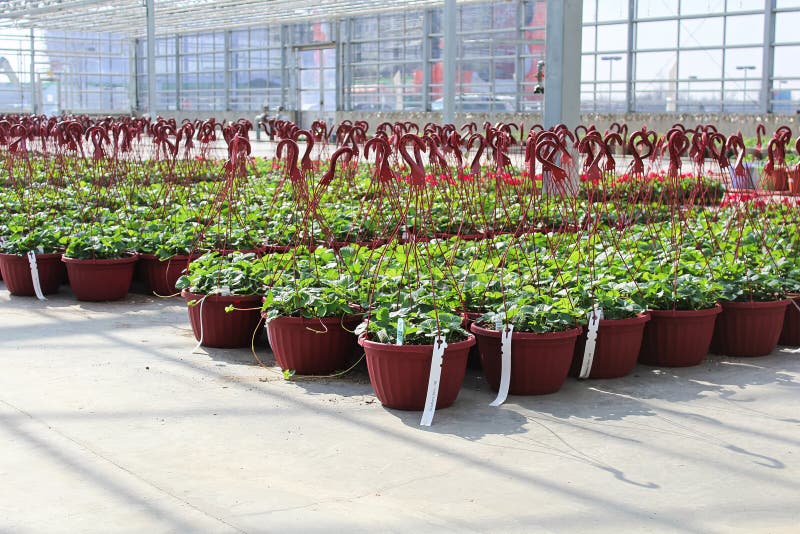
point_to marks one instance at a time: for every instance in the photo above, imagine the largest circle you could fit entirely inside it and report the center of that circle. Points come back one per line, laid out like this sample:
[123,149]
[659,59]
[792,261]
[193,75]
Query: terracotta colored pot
[160,276]
[399,373]
[221,329]
[678,338]
[790,335]
[794,181]
[313,346]
[474,358]
[616,349]
[17,273]
[276,249]
[539,362]
[749,328]
[100,280]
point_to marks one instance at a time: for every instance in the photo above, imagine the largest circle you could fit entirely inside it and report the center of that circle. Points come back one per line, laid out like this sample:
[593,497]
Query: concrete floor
[108,423]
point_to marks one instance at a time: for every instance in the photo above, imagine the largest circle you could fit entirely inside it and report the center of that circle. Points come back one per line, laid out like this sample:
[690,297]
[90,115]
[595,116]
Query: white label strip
[595,316]
[37,286]
[434,378]
[200,341]
[401,330]
[505,365]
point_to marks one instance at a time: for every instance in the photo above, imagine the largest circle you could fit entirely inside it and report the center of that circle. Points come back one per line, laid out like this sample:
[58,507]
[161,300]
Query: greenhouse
[433,265]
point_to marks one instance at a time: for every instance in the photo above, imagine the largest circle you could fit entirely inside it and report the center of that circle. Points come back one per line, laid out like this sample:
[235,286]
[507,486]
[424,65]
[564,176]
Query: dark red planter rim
[755,304]
[111,261]
[572,332]
[45,256]
[221,298]
[686,313]
[176,257]
[641,318]
[366,343]
[332,320]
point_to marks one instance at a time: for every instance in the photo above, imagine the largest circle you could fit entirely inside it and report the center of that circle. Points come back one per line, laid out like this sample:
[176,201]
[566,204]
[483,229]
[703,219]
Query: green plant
[231,274]
[421,325]
[101,241]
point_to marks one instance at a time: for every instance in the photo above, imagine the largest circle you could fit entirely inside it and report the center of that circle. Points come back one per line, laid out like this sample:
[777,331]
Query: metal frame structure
[677,55]
[700,65]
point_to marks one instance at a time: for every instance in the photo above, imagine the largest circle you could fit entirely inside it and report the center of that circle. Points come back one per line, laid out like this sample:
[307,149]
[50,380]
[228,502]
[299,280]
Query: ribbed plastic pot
[160,275]
[790,335]
[616,349]
[539,362]
[100,280]
[749,328]
[399,373]
[474,358]
[678,338]
[17,273]
[313,346]
[222,329]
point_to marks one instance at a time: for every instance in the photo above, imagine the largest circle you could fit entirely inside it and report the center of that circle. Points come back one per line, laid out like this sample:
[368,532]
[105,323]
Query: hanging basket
[678,338]
[539,362]
[399,373]
[100,280]
[790,335]
[749,328]
[616,349]
[17,273]
[219,328]
[474,359]
[313,346]
[160,275]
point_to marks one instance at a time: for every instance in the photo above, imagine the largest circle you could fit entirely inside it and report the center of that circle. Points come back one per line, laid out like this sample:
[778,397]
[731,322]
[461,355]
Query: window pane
[662,34]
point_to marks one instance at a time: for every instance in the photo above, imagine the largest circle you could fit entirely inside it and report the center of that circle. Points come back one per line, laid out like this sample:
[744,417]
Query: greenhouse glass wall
[641,56]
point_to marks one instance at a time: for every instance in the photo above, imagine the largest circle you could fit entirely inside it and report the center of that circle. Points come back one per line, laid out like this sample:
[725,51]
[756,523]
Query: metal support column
[178,105]
[519,63]
[426,60]
[286,81]
[449,62]
[34,92]
[151,57]
[768,61]
[336,31]
[562,96]
[630,68]
[133,89]
[226,75]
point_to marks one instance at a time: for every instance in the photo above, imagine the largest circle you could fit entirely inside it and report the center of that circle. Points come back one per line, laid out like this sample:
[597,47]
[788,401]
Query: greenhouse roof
[182,16]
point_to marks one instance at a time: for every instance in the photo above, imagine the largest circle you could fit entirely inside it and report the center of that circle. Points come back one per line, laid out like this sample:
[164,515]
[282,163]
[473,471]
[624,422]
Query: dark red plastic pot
[474,358]
[399,373]
[17,273]
[312,346]
[160,276]
[616,349]
[222,329]
[749,328]
[539,362]
[678,338]
[790,335]
[100,280]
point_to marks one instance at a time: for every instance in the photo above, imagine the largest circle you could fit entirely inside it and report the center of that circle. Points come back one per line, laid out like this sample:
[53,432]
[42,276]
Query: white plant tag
[401,331]
[498,323]
[595,316]
[37,286]
[505,365]
[434,378]
[200,341]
